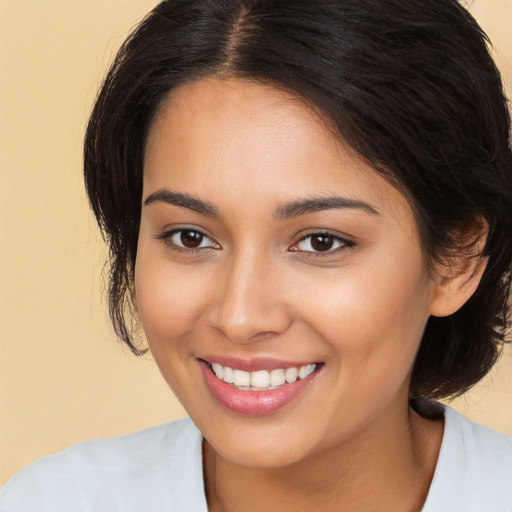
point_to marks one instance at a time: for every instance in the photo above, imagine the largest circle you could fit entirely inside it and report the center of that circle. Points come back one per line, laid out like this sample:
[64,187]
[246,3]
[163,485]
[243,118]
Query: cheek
[170,303]
[170,298]
[372,317]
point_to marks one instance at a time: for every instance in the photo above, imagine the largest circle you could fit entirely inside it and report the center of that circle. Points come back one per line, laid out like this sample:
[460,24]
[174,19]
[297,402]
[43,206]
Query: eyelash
[166,238]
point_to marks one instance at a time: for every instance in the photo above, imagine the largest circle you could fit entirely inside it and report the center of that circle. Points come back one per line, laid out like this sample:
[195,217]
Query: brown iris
[191,239]
[322,242]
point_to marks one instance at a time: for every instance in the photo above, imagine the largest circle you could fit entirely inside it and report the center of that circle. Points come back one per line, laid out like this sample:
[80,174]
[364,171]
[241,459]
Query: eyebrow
[286,211]
[317,204]
[183,200]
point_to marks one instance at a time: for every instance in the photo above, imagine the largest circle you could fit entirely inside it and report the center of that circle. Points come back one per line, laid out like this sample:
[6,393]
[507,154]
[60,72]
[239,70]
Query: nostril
[246,310]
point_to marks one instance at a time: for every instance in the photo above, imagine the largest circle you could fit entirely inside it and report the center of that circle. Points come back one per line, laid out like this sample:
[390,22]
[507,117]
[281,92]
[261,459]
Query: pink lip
[253,403]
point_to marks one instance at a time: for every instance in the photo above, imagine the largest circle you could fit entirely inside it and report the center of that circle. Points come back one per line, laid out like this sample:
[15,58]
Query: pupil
[322,242]
[191,239]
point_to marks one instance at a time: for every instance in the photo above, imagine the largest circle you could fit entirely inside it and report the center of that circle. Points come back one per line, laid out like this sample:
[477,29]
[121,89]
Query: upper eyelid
[165,233]
[321,232]
[343,238]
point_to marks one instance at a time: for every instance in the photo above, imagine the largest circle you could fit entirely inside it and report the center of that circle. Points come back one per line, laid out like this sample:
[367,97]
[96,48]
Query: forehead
[218,116]
[220,138]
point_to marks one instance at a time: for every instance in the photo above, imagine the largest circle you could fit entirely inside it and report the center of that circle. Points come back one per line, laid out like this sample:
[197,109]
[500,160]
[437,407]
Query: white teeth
[218,369]
[304,371]
[241,378]
[277,377]
[261,379]
[228,375]
[291,374]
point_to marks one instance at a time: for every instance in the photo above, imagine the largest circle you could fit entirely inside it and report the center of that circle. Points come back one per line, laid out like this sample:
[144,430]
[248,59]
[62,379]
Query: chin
[260,446]
[252,455]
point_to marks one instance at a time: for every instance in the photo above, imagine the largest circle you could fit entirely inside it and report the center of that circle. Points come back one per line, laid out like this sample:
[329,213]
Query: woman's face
[268,250]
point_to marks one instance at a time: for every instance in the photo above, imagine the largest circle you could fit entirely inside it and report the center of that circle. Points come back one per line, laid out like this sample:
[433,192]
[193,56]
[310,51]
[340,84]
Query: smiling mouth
[261,380]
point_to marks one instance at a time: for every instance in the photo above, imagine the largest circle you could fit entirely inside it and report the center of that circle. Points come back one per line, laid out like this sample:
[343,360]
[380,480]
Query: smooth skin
[238,266]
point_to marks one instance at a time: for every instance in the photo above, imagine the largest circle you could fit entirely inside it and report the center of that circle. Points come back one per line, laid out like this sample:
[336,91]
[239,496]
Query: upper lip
[255,363]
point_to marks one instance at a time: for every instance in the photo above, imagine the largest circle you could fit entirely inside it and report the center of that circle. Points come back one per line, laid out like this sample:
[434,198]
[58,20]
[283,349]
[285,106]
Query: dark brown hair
[409,84]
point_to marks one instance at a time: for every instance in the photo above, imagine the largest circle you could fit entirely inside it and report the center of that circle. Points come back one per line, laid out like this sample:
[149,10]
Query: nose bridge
[248,301]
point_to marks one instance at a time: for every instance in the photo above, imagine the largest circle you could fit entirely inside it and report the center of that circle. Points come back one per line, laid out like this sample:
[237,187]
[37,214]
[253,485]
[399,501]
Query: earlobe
[459,275]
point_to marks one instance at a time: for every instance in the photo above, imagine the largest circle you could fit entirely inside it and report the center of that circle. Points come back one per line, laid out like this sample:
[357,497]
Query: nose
[250,304]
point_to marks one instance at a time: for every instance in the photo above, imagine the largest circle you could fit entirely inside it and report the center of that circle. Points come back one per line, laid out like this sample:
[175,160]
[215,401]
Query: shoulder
[146,470]
[474,469]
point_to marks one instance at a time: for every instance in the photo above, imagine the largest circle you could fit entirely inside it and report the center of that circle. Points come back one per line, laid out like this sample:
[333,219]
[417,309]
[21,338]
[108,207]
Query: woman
[308,207]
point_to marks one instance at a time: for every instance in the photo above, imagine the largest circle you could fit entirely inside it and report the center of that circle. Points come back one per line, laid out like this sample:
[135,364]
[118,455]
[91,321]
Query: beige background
[63,377]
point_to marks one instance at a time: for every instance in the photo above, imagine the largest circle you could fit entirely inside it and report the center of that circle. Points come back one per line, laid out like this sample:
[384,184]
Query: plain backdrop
[63,376]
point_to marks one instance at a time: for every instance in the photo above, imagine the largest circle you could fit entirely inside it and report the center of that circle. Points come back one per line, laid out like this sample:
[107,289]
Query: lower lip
[253,403]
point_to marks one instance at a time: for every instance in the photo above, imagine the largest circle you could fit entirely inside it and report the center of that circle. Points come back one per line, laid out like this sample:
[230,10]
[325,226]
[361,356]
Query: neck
[388,466]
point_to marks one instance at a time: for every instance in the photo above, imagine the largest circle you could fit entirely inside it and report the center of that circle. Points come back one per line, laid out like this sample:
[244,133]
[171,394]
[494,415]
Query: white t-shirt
[160,469]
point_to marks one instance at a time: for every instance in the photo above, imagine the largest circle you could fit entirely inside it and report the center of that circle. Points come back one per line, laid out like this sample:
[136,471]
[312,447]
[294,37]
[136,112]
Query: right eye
[188,239]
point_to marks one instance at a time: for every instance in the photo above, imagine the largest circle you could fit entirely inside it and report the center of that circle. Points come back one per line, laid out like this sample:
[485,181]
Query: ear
[458,275]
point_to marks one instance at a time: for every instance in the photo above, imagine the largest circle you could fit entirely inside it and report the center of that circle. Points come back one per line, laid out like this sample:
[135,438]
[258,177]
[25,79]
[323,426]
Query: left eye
[321,242]
[189,239]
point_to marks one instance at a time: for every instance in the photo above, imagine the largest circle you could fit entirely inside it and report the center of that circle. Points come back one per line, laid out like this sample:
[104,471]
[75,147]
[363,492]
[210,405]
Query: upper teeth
[261,378]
